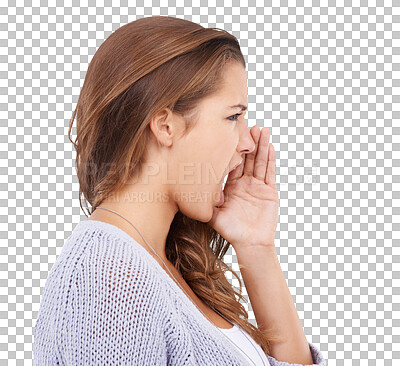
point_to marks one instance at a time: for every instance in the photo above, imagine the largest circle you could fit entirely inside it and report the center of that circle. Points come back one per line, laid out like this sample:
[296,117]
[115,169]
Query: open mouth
[222,196]
[231,170]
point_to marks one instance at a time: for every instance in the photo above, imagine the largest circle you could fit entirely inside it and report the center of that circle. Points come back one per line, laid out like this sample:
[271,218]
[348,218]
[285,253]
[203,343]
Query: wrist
[257,258]
[251,250]
[253,239]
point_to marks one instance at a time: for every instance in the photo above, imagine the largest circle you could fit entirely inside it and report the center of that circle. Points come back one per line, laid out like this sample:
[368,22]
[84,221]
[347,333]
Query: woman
[160,123]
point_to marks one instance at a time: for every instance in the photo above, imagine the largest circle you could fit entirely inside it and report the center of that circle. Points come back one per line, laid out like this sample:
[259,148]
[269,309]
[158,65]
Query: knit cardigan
[107,301]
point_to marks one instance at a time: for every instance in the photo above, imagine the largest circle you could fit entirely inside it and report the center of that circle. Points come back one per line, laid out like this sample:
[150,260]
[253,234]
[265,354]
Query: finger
[248,168]
[261,160]
[270,177]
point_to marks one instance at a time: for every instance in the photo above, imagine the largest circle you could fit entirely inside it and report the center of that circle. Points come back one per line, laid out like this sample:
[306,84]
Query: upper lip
[240,162]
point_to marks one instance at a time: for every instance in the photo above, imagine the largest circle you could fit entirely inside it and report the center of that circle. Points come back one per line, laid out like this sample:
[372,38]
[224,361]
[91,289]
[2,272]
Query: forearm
[272,303]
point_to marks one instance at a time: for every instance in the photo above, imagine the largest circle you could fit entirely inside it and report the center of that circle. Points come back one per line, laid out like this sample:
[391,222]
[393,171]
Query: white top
[246,345]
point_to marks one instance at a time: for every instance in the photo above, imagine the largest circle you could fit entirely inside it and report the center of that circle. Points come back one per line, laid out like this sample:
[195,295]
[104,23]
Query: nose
[246,143]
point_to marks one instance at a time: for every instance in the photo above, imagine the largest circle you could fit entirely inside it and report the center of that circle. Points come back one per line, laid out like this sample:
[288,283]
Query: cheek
[205,165]
[220,158]
[202,161]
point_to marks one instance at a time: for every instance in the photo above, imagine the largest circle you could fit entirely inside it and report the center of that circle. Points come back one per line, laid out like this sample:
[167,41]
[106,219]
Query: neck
[152,217]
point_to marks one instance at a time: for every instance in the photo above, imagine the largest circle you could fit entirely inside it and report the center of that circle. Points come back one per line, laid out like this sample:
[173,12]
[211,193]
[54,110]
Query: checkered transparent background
[323,76]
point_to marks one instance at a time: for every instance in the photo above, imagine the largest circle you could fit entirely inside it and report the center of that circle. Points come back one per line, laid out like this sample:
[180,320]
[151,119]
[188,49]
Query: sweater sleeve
[114,316]
[318,359]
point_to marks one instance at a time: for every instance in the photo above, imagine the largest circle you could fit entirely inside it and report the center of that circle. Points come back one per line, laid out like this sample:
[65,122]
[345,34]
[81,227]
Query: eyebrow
[243,107]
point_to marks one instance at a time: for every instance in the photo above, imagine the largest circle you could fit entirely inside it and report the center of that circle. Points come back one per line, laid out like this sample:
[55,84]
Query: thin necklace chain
[177,282]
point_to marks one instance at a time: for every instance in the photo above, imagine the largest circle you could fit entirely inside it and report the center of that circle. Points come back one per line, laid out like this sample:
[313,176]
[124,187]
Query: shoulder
[104,247]
[101,263]
[119,267]
[103,303]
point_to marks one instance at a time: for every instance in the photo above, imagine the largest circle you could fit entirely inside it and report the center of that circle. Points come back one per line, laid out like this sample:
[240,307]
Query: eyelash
[235,119]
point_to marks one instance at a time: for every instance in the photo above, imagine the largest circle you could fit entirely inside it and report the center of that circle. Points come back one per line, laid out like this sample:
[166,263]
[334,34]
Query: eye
[235,115]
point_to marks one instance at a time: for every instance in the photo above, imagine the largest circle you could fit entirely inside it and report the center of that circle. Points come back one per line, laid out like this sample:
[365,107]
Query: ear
[164,127]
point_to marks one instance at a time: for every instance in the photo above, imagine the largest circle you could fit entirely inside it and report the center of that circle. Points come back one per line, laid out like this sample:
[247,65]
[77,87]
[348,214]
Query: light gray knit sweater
[107,301]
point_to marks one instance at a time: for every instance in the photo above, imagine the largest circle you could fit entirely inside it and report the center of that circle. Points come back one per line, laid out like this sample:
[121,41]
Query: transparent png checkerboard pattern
[323,76]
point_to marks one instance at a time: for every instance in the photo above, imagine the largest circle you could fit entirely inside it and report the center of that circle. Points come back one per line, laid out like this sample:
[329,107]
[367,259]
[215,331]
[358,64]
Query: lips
[236,166]
[222,196]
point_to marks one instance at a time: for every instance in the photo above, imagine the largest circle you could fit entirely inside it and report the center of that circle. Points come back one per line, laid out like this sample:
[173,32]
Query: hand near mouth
[249,215]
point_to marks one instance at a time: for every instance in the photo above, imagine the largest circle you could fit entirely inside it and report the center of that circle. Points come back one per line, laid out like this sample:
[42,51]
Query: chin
[208,214]
[202,212]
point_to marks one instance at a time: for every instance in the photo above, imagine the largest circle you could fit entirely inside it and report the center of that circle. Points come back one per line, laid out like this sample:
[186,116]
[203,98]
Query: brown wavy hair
[141,68]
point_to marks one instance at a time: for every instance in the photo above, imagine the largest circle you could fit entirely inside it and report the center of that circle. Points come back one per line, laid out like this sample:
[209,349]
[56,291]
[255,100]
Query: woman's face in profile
[219,141]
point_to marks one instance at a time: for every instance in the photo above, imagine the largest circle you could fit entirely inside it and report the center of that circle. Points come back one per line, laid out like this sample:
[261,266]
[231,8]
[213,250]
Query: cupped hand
[249,215]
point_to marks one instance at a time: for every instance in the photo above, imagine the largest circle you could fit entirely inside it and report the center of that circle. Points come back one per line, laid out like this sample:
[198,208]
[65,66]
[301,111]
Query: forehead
[234,74]
[233,87]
